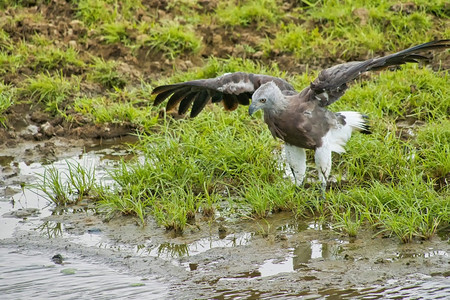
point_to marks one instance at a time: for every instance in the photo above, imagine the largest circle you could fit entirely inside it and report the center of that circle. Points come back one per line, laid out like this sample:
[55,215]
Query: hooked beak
[252,109]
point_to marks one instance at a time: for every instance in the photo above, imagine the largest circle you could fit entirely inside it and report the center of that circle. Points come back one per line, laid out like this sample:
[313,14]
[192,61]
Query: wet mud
[280,257]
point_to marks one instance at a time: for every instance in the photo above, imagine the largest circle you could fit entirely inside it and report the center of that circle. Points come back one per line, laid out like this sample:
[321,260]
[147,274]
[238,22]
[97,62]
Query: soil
[59,24]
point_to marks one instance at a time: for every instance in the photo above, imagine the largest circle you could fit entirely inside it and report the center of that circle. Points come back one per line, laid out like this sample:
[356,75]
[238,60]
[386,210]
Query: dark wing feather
[243,99]
[230,102]
[232,89]
[186,103]
[176,98]
[331,83]
[200,101]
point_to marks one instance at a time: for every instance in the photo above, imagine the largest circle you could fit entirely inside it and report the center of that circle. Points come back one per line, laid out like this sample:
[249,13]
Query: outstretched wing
[231,88]
[331,83]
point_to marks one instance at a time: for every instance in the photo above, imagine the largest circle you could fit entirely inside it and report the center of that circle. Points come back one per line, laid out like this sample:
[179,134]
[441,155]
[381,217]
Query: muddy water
[25,274]
[77,255]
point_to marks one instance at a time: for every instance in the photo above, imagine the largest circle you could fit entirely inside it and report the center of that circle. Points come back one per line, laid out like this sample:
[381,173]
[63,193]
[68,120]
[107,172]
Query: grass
[81,179]
[50,90]
[51,58]
[172,39]
[121,106]
[227,164]
[243,13]
[52,184]
[197,169]
[67,185]
[408,209]
[106,73]
[6,100]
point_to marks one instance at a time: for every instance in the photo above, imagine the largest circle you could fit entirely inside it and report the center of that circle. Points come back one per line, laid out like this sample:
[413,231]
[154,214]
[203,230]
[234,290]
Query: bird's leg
[293,173]
[296,158]
[323,164]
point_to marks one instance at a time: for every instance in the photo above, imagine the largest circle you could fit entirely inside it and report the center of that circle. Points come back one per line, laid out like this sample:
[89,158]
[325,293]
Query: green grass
[52,185]
[50,90]
[93,12]
[6,100]
[121,106]
[408,209]
[192,162]
[227,164]
[81,179]
[172,39]
[115,33]
[244,13]
[51,58]
[66,186]
[106,73]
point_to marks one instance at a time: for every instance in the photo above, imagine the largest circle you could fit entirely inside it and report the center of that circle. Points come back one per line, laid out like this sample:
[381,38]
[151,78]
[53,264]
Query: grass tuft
[50,90]
[6,101]
[106,73]
[61,186]
[172,39]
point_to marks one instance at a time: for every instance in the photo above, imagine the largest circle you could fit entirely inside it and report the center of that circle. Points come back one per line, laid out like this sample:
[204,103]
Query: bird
[300,119]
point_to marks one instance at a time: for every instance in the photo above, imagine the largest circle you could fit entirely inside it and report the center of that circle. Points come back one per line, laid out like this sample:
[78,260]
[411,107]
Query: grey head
[267,97]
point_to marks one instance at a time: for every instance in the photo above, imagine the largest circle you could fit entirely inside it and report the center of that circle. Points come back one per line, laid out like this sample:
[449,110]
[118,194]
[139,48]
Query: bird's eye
[263,100]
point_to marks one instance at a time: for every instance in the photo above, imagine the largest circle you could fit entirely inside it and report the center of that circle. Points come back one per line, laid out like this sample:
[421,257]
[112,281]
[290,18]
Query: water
[32,274]
[299,256]
[26,274]
[18,198]
[172,250]
[406,289]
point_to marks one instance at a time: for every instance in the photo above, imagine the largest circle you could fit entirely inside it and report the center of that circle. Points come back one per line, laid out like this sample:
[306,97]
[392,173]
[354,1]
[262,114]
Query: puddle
[31,274]
[172,250]
[15,198]
[168,251]
[300,256]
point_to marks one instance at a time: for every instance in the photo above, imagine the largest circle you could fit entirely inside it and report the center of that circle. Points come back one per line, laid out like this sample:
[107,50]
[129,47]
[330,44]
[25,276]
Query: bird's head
[267,97]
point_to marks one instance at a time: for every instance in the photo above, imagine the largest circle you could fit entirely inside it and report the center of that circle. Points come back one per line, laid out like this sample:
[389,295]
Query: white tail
[336,138]
[356,120]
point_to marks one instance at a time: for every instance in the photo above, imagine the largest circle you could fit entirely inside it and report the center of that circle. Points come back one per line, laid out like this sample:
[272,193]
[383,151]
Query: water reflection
[14,197]
[6,160]
[176,250]
[406,289]
[303,254]
[294,227]
[428,254]
[51,229]
[315,249]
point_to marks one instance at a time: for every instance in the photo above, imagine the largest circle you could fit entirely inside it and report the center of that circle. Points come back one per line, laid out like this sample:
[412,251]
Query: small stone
[73,44]
[217,39]
[58,259]
[48,129]
[258,54]
[362,14]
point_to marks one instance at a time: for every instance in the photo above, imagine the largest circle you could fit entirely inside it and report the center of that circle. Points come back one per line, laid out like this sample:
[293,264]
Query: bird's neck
[278,106]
